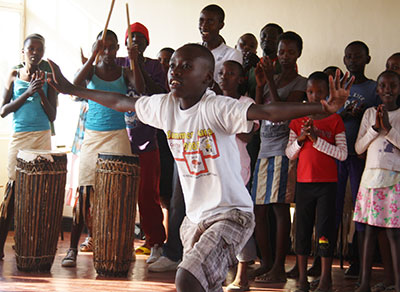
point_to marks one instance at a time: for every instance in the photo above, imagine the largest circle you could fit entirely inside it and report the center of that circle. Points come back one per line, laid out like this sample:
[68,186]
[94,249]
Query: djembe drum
[114,212]
[39,202]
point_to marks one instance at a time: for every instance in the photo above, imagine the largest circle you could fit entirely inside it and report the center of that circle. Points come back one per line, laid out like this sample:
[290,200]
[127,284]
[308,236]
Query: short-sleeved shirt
[364,94]
[202,142]
[225,53]
[143,137]
[313,165]
[275,136]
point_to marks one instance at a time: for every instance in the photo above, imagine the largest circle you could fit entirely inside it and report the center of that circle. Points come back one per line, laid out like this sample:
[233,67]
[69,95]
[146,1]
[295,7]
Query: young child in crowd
[104,128]
[248,44]
[275,175]
[210,23]
[26,95]
[231,79]
[201,129]
[378,203]
[362,96]
[393,64]
[316,141]
[163,56]
[143,139]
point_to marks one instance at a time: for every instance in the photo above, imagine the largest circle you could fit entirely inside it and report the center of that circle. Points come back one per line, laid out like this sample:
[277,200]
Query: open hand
[339,91]
[57,79]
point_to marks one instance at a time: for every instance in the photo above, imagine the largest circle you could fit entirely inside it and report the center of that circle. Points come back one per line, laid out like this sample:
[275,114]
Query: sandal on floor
[303,289]
[293,273]
[378,287]
[142,250]
[237,288]
[269,279]
[320,290]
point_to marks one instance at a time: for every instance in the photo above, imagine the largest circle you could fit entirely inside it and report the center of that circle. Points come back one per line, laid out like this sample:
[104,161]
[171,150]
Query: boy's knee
[185,281]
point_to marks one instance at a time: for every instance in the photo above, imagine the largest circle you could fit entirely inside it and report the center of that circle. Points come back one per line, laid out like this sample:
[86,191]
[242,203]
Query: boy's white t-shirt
[224,53]
[202,141]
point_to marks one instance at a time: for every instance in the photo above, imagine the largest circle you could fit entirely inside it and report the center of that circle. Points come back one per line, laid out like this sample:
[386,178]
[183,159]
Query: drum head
[29,155]
[119,157]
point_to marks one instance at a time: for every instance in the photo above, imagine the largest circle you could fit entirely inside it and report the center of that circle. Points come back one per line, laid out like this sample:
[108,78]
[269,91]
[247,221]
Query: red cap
[138,27]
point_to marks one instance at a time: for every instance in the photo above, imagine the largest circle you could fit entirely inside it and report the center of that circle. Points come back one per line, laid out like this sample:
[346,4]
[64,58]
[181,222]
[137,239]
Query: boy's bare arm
[114,100]
[275,112]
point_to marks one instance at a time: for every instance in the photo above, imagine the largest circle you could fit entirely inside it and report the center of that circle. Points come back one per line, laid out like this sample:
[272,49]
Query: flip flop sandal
[269,279]
[142,250]
[237,288]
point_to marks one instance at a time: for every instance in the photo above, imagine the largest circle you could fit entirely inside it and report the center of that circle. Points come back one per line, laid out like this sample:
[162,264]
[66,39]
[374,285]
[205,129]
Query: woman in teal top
[33,103]
[105,129]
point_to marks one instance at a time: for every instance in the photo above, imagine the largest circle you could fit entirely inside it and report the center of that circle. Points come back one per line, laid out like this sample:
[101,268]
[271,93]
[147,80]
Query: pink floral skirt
[378,207]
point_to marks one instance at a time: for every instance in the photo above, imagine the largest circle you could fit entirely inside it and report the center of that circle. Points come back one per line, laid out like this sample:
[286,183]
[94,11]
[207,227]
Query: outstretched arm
[116,101]
[276,112]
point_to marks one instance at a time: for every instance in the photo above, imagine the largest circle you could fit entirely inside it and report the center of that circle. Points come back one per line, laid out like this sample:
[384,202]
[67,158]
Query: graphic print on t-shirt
[195,149]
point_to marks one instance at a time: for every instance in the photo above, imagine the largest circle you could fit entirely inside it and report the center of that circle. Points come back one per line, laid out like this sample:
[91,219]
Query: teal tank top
[30,117]
[99,117]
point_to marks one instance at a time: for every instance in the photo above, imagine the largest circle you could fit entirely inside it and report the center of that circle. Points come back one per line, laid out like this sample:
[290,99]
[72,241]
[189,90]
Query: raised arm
[86,70]
[283,111]
[135,77]
[116,101]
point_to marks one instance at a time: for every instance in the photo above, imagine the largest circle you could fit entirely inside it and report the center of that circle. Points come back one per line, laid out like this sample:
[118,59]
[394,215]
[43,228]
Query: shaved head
[200,52]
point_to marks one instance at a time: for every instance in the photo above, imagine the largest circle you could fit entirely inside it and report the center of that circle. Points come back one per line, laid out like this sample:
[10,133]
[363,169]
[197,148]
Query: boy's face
[288,53]
[209,25]
[247,43]
[229,77]
[164,57]
[140,40]
[269,40]
[393,64]
[110,49]
[189,74]
[355,58]
[388,89]
[33,51]
[316,90]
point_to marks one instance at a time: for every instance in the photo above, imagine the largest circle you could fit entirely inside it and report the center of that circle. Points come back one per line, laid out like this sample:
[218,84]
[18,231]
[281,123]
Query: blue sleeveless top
[30,117]
[99,117]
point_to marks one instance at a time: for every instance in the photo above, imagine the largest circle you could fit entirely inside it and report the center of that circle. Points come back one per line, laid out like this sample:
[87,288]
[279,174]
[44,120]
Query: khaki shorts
[210,247]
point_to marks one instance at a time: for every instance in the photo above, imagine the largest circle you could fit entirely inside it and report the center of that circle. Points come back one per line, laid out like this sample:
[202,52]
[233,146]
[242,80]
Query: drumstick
[129,34]
[103,37]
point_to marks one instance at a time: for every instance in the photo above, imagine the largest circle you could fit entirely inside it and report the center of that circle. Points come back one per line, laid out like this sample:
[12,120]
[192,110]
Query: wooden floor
[84,277]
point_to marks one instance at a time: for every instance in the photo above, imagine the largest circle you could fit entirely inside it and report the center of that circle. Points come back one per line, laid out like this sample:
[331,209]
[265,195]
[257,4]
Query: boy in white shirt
[201,127]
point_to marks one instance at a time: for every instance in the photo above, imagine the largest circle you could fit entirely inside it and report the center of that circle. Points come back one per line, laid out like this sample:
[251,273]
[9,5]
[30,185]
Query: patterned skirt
[378,206]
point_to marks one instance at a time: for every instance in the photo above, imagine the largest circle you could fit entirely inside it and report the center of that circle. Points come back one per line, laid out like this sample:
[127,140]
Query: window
[12,18]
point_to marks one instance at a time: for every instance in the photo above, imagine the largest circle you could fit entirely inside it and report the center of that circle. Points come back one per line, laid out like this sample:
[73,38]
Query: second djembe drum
[114,212]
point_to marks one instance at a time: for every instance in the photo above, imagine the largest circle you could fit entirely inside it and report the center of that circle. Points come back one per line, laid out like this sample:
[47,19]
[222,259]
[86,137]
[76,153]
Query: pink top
[244,155]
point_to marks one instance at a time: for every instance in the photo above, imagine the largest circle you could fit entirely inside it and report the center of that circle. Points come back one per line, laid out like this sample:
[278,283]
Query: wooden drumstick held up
[129,34]
[103,37]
